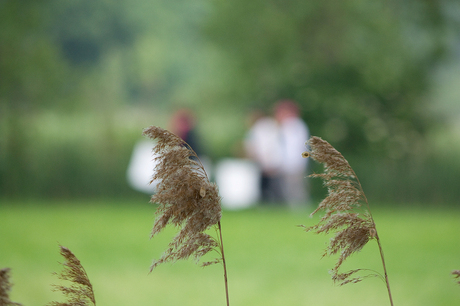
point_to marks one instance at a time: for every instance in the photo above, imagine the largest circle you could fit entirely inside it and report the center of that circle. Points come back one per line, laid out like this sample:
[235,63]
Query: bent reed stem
[378,241]
[385,270]
[223,262]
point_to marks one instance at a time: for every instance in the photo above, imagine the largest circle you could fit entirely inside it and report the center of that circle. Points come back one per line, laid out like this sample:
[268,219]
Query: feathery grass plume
[344,214]
[186,199]
[5,288]
[80,293]
[456,274]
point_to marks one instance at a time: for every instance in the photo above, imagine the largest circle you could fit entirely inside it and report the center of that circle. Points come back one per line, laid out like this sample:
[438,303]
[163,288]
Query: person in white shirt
[293,135]
[262,146]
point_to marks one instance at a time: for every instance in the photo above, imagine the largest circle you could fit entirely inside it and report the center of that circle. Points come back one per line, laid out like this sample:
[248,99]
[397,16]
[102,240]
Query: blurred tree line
[360,69]
[79,80]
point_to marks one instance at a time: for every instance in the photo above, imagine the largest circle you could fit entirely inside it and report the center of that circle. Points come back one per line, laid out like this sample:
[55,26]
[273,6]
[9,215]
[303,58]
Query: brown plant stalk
[352,225]
[80,292]
[186,199]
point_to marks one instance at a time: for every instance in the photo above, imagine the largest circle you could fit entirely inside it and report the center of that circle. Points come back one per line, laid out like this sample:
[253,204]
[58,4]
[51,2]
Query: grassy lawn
[270,260]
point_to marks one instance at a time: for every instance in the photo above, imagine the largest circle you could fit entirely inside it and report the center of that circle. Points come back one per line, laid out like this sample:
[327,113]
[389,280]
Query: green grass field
[270,260]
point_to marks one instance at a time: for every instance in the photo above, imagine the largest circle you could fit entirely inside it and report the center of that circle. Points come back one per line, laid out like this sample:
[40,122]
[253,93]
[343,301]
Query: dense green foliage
[271,261]
[81,79]
[358,68]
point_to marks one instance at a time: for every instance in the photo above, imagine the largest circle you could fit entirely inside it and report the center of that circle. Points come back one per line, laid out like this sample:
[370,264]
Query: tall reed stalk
[345,216]
[224,264]
[187,200]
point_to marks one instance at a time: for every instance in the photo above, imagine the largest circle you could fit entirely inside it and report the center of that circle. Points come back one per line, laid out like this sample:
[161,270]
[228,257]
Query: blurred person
[293,133]
[262,146]
[140,169]
[183,124]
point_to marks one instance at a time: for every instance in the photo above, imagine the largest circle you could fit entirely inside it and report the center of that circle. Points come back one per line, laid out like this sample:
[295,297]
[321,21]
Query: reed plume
[344,214]
[80,292]
[5,288]
[186,199]
[456,274]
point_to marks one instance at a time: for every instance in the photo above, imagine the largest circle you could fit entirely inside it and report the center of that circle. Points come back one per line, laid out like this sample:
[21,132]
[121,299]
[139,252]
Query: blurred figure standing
[140,169]
[293,135]
[262,146]
[182,124]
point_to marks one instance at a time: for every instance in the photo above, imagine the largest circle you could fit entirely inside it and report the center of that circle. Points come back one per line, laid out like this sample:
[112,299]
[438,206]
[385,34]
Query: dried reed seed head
[456,274]
[333,160]
[5,287]
[344,278]
[186,197]
[81,290]
[74,270]
[352,230]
